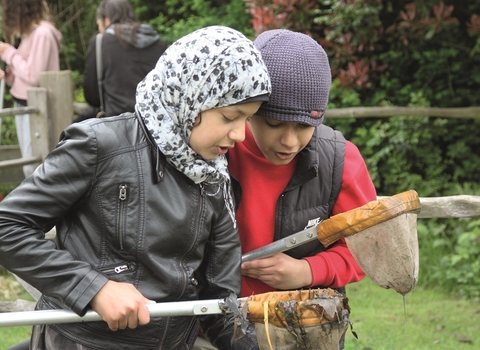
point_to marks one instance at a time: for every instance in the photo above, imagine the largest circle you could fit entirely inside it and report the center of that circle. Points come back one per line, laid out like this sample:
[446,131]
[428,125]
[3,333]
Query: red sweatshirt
[262,183]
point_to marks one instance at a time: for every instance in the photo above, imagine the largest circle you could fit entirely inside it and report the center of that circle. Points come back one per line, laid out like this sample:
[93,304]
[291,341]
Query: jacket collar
[157,156]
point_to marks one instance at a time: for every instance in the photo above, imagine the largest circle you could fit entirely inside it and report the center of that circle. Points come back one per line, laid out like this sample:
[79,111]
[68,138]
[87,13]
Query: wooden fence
[386,112]
[51,108]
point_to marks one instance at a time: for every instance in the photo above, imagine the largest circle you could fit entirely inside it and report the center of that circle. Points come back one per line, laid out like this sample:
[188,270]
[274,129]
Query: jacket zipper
[197,226]
[122,196]
[164,336]
[117,269]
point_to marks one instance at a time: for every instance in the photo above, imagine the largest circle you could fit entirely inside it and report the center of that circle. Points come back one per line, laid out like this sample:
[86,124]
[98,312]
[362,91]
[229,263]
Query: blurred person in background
[129,50]
[39,51]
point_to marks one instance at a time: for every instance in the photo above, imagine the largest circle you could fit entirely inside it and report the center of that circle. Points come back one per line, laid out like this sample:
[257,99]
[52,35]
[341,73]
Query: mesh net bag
[382,237]
[309,319]
[394,261]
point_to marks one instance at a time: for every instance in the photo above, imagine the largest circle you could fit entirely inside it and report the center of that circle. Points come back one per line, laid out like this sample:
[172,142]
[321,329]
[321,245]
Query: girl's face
[279,141]
[216,130]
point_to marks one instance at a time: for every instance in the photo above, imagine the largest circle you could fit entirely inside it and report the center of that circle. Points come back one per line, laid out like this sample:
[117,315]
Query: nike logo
[312,223]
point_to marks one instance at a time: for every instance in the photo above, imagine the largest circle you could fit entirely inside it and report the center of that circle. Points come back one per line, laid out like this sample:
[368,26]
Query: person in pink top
[39,51]
[292,171]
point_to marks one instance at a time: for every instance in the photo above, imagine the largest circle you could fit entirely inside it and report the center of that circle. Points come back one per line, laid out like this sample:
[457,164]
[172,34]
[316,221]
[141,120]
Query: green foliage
[450,251]
[383,53]
[9,131]
[182,17]
[6,189]
[342,98]
[462,268]
[77,22]
[393,49]
[430,155]
[450,255]
[172,18]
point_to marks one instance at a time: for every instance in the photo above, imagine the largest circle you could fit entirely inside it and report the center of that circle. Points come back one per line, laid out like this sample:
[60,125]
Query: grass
[13,335]
[10,290]
[382,319]
[426,319]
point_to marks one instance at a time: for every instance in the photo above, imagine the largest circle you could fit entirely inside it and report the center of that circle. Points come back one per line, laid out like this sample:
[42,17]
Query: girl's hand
[2,74]
[3,47]
[121,305]
[279,271]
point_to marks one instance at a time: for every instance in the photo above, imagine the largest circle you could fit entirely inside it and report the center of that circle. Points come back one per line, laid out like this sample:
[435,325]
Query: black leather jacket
[121,213]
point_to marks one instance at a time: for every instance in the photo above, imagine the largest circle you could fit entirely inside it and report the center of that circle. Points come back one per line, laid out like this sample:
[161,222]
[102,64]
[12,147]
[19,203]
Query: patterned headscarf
[212,67]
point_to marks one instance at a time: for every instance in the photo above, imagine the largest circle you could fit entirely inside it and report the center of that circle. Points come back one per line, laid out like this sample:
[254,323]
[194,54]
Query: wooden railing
[50,107]
[38,127]
[386,112]
[460,206]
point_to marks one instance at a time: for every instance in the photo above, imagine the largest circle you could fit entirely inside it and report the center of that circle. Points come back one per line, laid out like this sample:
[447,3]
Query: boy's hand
[279,271]
[121,305]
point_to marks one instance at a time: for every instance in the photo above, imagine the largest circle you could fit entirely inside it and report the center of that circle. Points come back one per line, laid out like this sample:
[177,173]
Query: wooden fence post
[59,86]
[37,97]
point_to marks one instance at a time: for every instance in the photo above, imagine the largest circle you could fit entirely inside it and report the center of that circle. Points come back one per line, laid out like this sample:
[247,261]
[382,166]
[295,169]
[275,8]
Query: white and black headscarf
[209,68]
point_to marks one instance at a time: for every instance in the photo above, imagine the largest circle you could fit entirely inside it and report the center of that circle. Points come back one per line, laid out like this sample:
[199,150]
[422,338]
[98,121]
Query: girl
[39,51]
[142,204]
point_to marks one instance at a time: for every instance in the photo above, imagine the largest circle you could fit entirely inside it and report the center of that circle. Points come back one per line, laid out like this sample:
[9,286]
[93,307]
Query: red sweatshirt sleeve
[336,266]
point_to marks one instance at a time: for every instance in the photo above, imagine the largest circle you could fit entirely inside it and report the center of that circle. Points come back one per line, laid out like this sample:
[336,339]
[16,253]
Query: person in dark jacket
[130,50]
[142,205]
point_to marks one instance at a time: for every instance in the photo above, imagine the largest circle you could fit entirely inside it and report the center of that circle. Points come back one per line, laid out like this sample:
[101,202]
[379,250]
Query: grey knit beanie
[300,75]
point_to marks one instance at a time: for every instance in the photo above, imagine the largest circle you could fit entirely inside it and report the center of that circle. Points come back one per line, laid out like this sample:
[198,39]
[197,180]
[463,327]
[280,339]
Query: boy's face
[216,130]
[279,141]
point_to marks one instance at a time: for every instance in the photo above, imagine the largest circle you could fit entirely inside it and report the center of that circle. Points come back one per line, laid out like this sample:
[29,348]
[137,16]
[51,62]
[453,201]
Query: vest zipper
[278,214]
